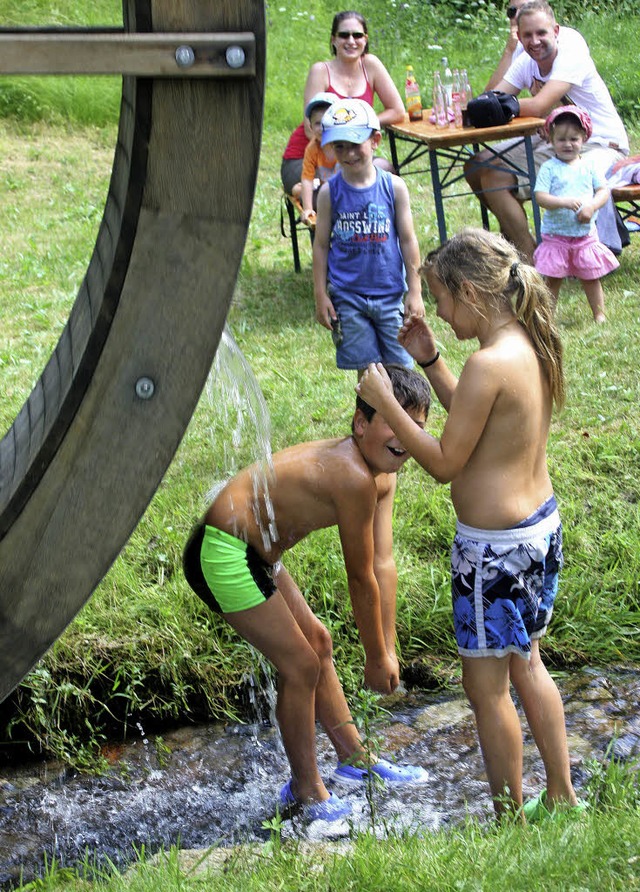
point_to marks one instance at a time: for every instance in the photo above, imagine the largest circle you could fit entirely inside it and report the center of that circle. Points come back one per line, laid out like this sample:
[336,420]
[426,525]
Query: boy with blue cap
[365,254]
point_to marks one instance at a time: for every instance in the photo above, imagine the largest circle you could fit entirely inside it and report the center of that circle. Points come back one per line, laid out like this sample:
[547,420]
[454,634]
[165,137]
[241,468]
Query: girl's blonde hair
[499,276]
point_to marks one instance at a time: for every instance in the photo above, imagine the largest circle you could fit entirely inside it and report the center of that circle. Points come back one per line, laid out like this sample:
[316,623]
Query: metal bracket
[106,51]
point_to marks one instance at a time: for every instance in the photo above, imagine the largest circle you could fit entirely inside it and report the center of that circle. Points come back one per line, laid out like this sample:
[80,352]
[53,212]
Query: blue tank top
[364,254]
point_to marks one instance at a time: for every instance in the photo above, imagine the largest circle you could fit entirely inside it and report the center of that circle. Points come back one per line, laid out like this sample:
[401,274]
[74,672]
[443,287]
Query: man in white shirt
[556,67]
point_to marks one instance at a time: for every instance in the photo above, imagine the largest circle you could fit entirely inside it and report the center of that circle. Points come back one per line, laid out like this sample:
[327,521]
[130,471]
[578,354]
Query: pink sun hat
[581,116]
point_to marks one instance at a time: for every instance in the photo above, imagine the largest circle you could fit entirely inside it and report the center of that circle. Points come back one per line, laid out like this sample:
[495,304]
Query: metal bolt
[235,56]
[145,388]
[185,57]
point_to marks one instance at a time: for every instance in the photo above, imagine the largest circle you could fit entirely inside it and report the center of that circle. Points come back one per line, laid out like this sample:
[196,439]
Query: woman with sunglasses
[351,72]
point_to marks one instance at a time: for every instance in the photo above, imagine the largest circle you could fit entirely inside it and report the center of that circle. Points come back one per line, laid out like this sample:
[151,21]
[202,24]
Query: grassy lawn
[142,634]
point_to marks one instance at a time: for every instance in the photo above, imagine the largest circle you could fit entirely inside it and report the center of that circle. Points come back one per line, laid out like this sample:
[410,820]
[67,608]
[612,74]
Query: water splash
[260,690]
[217,784]
[241,429]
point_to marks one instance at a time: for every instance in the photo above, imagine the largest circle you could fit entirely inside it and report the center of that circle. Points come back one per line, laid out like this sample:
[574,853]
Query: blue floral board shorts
[368,329]
[504,583]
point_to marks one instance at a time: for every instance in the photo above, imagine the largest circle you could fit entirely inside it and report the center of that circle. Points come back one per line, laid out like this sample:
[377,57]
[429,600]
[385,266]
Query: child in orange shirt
[319,164]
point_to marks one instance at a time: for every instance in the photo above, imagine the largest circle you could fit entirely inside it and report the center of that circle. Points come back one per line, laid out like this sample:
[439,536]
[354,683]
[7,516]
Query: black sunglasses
[512,11]
[345,35]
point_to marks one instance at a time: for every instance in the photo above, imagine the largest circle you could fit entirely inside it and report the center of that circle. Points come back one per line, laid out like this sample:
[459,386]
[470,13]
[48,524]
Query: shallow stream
[215,785]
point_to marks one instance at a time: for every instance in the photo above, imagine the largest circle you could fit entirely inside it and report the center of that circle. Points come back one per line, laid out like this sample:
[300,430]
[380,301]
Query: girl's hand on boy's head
[417,339]
[374,385]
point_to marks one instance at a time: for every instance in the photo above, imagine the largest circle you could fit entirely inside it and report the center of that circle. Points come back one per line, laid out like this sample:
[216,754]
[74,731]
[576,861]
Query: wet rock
[626,746]
[580,748]
[399,736]
[600,722]
[596,692]
[443,715]
[194,862]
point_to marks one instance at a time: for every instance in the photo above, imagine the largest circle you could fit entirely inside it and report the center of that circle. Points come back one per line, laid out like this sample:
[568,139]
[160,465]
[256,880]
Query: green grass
[143,646]
[82,100]
[599,852]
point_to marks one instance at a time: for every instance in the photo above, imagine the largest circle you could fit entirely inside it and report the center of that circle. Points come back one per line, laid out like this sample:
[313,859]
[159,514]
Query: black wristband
[425,365]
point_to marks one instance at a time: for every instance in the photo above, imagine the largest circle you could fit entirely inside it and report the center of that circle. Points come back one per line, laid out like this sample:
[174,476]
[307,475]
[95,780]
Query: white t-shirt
[574,65]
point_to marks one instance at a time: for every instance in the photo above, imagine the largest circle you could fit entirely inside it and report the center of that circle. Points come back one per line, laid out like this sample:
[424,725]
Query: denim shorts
[368,330]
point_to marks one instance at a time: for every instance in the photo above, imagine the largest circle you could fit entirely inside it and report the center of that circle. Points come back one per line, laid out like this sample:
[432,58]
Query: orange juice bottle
[412,96]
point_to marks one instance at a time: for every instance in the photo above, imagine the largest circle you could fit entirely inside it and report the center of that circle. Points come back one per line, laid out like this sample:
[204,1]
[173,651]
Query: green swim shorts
[225,572]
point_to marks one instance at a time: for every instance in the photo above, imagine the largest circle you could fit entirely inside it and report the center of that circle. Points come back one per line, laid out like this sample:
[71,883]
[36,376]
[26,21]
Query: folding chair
[294,210]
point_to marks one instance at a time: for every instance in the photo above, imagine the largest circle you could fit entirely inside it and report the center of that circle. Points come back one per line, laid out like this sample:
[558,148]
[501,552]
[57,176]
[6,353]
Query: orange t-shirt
[317,164]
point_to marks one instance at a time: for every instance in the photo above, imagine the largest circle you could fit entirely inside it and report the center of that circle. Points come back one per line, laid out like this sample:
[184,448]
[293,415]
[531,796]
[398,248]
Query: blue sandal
[331,809]
[389,772]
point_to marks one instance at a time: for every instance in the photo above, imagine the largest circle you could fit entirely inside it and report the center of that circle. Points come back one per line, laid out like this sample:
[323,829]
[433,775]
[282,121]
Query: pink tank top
[367,96]
[298,139]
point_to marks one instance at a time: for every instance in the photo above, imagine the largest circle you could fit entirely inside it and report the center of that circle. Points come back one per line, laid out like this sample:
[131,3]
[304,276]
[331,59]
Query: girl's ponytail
[499,276]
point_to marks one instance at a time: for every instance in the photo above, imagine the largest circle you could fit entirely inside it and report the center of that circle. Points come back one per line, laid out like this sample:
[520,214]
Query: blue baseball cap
[325,99]
[349,120]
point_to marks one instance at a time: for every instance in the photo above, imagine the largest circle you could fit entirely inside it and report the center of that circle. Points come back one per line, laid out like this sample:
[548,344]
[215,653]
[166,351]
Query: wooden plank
[179,55]
[631,192]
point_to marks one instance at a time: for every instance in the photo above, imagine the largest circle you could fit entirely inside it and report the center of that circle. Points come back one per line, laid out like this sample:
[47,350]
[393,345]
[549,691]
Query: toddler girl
[571,190]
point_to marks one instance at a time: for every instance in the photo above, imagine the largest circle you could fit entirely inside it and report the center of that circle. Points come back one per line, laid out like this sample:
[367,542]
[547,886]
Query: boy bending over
[233,562]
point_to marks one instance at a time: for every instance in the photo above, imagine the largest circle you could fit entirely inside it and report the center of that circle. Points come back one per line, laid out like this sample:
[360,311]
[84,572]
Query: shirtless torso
[505,477]
[493,445]
[312,486]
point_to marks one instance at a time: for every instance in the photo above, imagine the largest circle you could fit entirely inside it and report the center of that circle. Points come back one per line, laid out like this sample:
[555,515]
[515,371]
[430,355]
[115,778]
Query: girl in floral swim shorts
[508,545]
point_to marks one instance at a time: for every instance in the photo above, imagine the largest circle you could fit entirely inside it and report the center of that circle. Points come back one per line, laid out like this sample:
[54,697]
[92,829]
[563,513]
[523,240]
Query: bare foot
[599,318]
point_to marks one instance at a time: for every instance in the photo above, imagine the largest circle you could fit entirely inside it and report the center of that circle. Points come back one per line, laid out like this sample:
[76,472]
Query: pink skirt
[585,257]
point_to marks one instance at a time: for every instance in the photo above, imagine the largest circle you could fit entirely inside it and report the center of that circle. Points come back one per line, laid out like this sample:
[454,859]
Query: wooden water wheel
[87,451]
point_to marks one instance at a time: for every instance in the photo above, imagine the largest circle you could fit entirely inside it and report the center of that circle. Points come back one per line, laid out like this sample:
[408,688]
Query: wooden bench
[627,201]
[294,211]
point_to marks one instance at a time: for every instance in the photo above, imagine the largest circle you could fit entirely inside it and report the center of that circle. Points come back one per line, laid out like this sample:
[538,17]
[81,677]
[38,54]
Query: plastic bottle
[439,101]
[412,96]
[456,100]
[447,80]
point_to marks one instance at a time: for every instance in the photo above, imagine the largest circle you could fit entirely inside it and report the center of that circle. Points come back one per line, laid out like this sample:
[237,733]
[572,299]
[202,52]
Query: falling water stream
[214,785]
